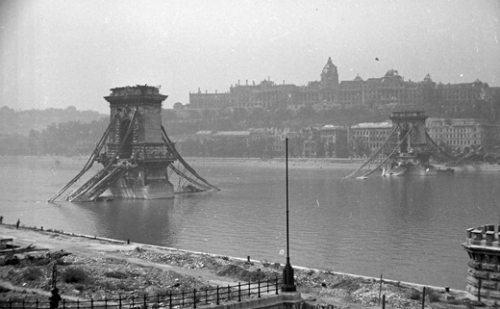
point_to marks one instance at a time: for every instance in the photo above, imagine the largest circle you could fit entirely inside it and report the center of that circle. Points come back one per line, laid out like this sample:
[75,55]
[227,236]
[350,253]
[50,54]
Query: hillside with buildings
[333,118]
[325,118]
[388,91]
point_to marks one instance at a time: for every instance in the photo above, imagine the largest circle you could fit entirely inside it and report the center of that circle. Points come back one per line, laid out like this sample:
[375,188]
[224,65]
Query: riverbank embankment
[111,267]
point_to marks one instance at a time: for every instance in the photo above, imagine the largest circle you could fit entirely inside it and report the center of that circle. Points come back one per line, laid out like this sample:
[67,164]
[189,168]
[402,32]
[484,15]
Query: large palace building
[329,92]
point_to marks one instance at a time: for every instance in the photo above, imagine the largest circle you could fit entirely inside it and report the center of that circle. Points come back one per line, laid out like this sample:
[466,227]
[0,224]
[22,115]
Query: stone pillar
[483,278]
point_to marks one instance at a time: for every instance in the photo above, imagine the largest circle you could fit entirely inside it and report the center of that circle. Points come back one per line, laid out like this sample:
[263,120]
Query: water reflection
[146,221]
[411,200]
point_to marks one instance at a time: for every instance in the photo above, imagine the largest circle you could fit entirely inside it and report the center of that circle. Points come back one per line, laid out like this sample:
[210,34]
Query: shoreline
[295,163]
[114,244]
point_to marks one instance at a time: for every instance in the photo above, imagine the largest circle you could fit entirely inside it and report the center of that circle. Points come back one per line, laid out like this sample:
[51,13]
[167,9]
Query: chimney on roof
[253,82]
[283,82]
[215,91]
[199,91]
[247,82]
[206,91]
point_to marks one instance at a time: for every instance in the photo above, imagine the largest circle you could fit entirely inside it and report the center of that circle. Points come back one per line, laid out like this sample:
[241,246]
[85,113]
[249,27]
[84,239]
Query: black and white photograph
[276,154]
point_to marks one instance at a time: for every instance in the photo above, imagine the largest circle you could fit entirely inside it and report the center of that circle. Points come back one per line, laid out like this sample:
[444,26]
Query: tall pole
[288,280]
[287,211]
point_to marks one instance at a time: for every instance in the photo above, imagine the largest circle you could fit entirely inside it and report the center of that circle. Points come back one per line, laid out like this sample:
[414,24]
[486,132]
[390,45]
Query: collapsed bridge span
[137,155]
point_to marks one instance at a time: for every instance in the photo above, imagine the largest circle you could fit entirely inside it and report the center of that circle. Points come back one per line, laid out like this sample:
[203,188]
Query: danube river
[407,229]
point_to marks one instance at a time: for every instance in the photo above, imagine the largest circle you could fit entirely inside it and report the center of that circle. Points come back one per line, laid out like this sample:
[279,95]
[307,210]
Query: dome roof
[329,67]
[427,78]
[392,72]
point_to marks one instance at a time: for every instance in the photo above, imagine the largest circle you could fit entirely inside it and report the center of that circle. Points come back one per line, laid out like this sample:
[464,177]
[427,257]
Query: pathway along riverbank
[91,267]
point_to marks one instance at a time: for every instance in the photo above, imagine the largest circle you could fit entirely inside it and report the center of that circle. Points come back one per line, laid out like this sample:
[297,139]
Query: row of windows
[444,135]
[366,132]
[454,130]
[462,142]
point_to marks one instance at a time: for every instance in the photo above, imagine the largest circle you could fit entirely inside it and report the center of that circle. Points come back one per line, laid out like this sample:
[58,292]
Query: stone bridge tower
[136,153]
[136,140]
[412,134]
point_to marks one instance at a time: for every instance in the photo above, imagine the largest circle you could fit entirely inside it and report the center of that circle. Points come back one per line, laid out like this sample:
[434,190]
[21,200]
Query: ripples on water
[407,229]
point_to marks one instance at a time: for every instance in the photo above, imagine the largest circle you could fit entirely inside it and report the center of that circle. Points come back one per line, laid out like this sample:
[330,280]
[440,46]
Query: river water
[407,229]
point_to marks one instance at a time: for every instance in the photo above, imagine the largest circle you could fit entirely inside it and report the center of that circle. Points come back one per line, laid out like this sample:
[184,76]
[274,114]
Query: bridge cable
[374,155]
[87,186]
[90,161]
[171,146]
[389,156]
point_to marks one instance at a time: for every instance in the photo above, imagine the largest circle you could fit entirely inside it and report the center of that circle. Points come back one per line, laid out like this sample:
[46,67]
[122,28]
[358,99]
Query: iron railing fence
[185,299]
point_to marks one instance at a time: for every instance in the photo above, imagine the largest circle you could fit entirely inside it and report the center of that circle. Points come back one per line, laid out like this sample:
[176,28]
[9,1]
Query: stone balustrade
[483,236]
[483,279]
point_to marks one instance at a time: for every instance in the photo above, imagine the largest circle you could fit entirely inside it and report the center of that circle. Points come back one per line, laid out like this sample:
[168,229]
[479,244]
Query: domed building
[390,89]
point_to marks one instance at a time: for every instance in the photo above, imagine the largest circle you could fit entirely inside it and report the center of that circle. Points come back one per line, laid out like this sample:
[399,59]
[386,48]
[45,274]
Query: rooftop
[366,125]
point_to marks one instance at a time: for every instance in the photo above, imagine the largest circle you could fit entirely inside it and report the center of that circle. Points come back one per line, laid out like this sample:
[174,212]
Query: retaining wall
[282,301]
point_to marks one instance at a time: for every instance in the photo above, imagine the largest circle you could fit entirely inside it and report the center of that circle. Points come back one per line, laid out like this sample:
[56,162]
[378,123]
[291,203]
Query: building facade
[334,139]
[270,95]
[463,134]
[363,139]
[330,92]
[370,136]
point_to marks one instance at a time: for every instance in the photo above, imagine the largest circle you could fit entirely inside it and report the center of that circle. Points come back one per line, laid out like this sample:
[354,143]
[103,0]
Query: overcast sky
[56,53]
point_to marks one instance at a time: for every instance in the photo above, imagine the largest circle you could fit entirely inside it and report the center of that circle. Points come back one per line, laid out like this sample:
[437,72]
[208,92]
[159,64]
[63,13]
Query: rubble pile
[154,271]
[220,265]
[103,277]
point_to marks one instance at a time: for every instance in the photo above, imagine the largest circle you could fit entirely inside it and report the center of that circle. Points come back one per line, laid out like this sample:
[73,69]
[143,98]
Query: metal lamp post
[288,280]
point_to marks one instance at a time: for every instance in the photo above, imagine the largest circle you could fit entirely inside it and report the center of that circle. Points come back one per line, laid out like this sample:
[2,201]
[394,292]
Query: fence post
[64,303]
[217,299]
[105,302]
[479,290]
[383,302]
[194,298]
[133,302]
[145,299]
[24,299]
[92,302]
[276,285]
[120,301]
[249,289]
[182,298]
[239,291]
[36,304]
[10,303]
[258,288]
[228,292]
[170,299]
[380,290]
[158,300]
[206,296]
[267,283]
[423,298]
[78,304]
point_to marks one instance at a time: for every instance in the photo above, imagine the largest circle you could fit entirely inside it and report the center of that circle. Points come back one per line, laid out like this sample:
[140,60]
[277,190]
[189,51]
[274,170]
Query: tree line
[28,132]
[67,138]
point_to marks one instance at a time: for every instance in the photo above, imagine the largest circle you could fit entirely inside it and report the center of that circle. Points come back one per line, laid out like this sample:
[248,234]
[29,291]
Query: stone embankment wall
[483,279]
[283,301]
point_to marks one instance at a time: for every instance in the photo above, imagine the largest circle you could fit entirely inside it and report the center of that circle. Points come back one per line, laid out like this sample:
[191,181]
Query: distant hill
[14,122]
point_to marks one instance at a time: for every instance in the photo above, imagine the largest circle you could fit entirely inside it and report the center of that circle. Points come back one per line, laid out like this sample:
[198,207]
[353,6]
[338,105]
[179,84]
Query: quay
[315,287]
